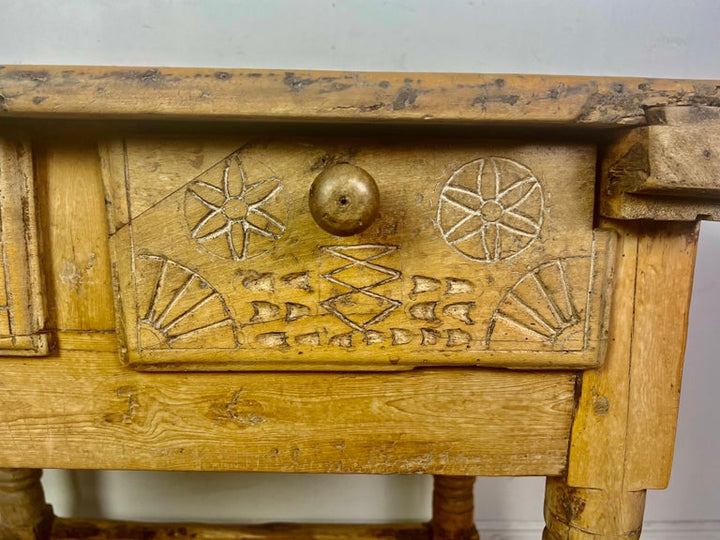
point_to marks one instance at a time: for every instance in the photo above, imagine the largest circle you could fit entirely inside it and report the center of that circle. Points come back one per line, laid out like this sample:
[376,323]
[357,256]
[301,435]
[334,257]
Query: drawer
[480,253]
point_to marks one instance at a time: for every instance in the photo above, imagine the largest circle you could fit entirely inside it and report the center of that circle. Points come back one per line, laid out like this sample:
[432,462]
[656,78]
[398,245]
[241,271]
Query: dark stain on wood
[405,97]
[482,101]
[563,90]
[491,86]
[149,77]
[360,108]
[126,417]
[601,405]
[632,167]
[298,84]
[79,529]
[36,76]
[335,87]
[241,411]
[580,101]
[572,503]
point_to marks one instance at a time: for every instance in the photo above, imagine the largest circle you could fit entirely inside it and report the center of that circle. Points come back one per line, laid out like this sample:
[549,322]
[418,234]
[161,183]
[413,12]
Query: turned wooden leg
[24,515]
[591,514]
[453,508]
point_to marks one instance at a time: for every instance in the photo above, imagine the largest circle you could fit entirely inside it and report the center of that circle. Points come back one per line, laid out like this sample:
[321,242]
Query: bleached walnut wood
[624,427]
[666,255]
[23,512]
[84,409]
[76,257]
[77,529]
[125,211]
[597,445]
[221,266]
[453,517]
[592,514]
[84,403]
[669,170]
[313,96]
[22,310]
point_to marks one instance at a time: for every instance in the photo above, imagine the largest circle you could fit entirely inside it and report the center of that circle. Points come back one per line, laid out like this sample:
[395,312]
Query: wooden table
[494,279]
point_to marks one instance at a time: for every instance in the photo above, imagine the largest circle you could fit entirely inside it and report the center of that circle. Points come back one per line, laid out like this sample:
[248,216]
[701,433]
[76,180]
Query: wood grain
[83,410]
[597,447]
[669,170]
[231,94]
[78,529]
[24,515]
[75,230]
[624,427]
[217,252]
[592,514]
[22,306]
[453,516]
[666,256]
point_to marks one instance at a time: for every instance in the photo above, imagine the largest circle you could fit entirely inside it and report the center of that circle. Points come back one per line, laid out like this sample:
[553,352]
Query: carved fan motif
[491,209]
[181,310]
[545,309]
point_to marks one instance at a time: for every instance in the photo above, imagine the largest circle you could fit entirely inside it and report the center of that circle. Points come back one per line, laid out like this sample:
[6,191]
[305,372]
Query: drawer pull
[344,199]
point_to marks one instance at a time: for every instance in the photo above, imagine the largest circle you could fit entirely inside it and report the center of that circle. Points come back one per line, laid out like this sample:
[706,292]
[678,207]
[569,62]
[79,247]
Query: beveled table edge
[92,92]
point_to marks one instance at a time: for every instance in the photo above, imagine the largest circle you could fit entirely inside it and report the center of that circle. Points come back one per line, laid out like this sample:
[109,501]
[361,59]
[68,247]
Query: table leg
[591,514]
[453,517]
[24,515]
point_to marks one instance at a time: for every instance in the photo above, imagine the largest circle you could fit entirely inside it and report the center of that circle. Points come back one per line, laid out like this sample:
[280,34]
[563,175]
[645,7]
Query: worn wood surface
[74,228]
[216,252]
[624,428]
[597,448]
[77,529]
[22,307]
[199,94]
[24,515]
[669,170]
[453,517]
[666,255]
[592,514]
[83,409]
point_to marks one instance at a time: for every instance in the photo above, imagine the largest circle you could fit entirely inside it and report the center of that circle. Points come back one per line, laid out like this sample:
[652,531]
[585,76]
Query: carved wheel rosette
[236,210]
[491,209]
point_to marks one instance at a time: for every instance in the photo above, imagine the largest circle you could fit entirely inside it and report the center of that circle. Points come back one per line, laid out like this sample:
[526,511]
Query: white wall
[659,38]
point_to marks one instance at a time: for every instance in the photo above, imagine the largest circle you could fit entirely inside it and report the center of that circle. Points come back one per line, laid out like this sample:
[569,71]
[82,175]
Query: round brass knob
[344,199]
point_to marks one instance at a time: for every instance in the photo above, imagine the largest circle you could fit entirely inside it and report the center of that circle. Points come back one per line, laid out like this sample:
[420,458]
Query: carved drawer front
[482,253]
